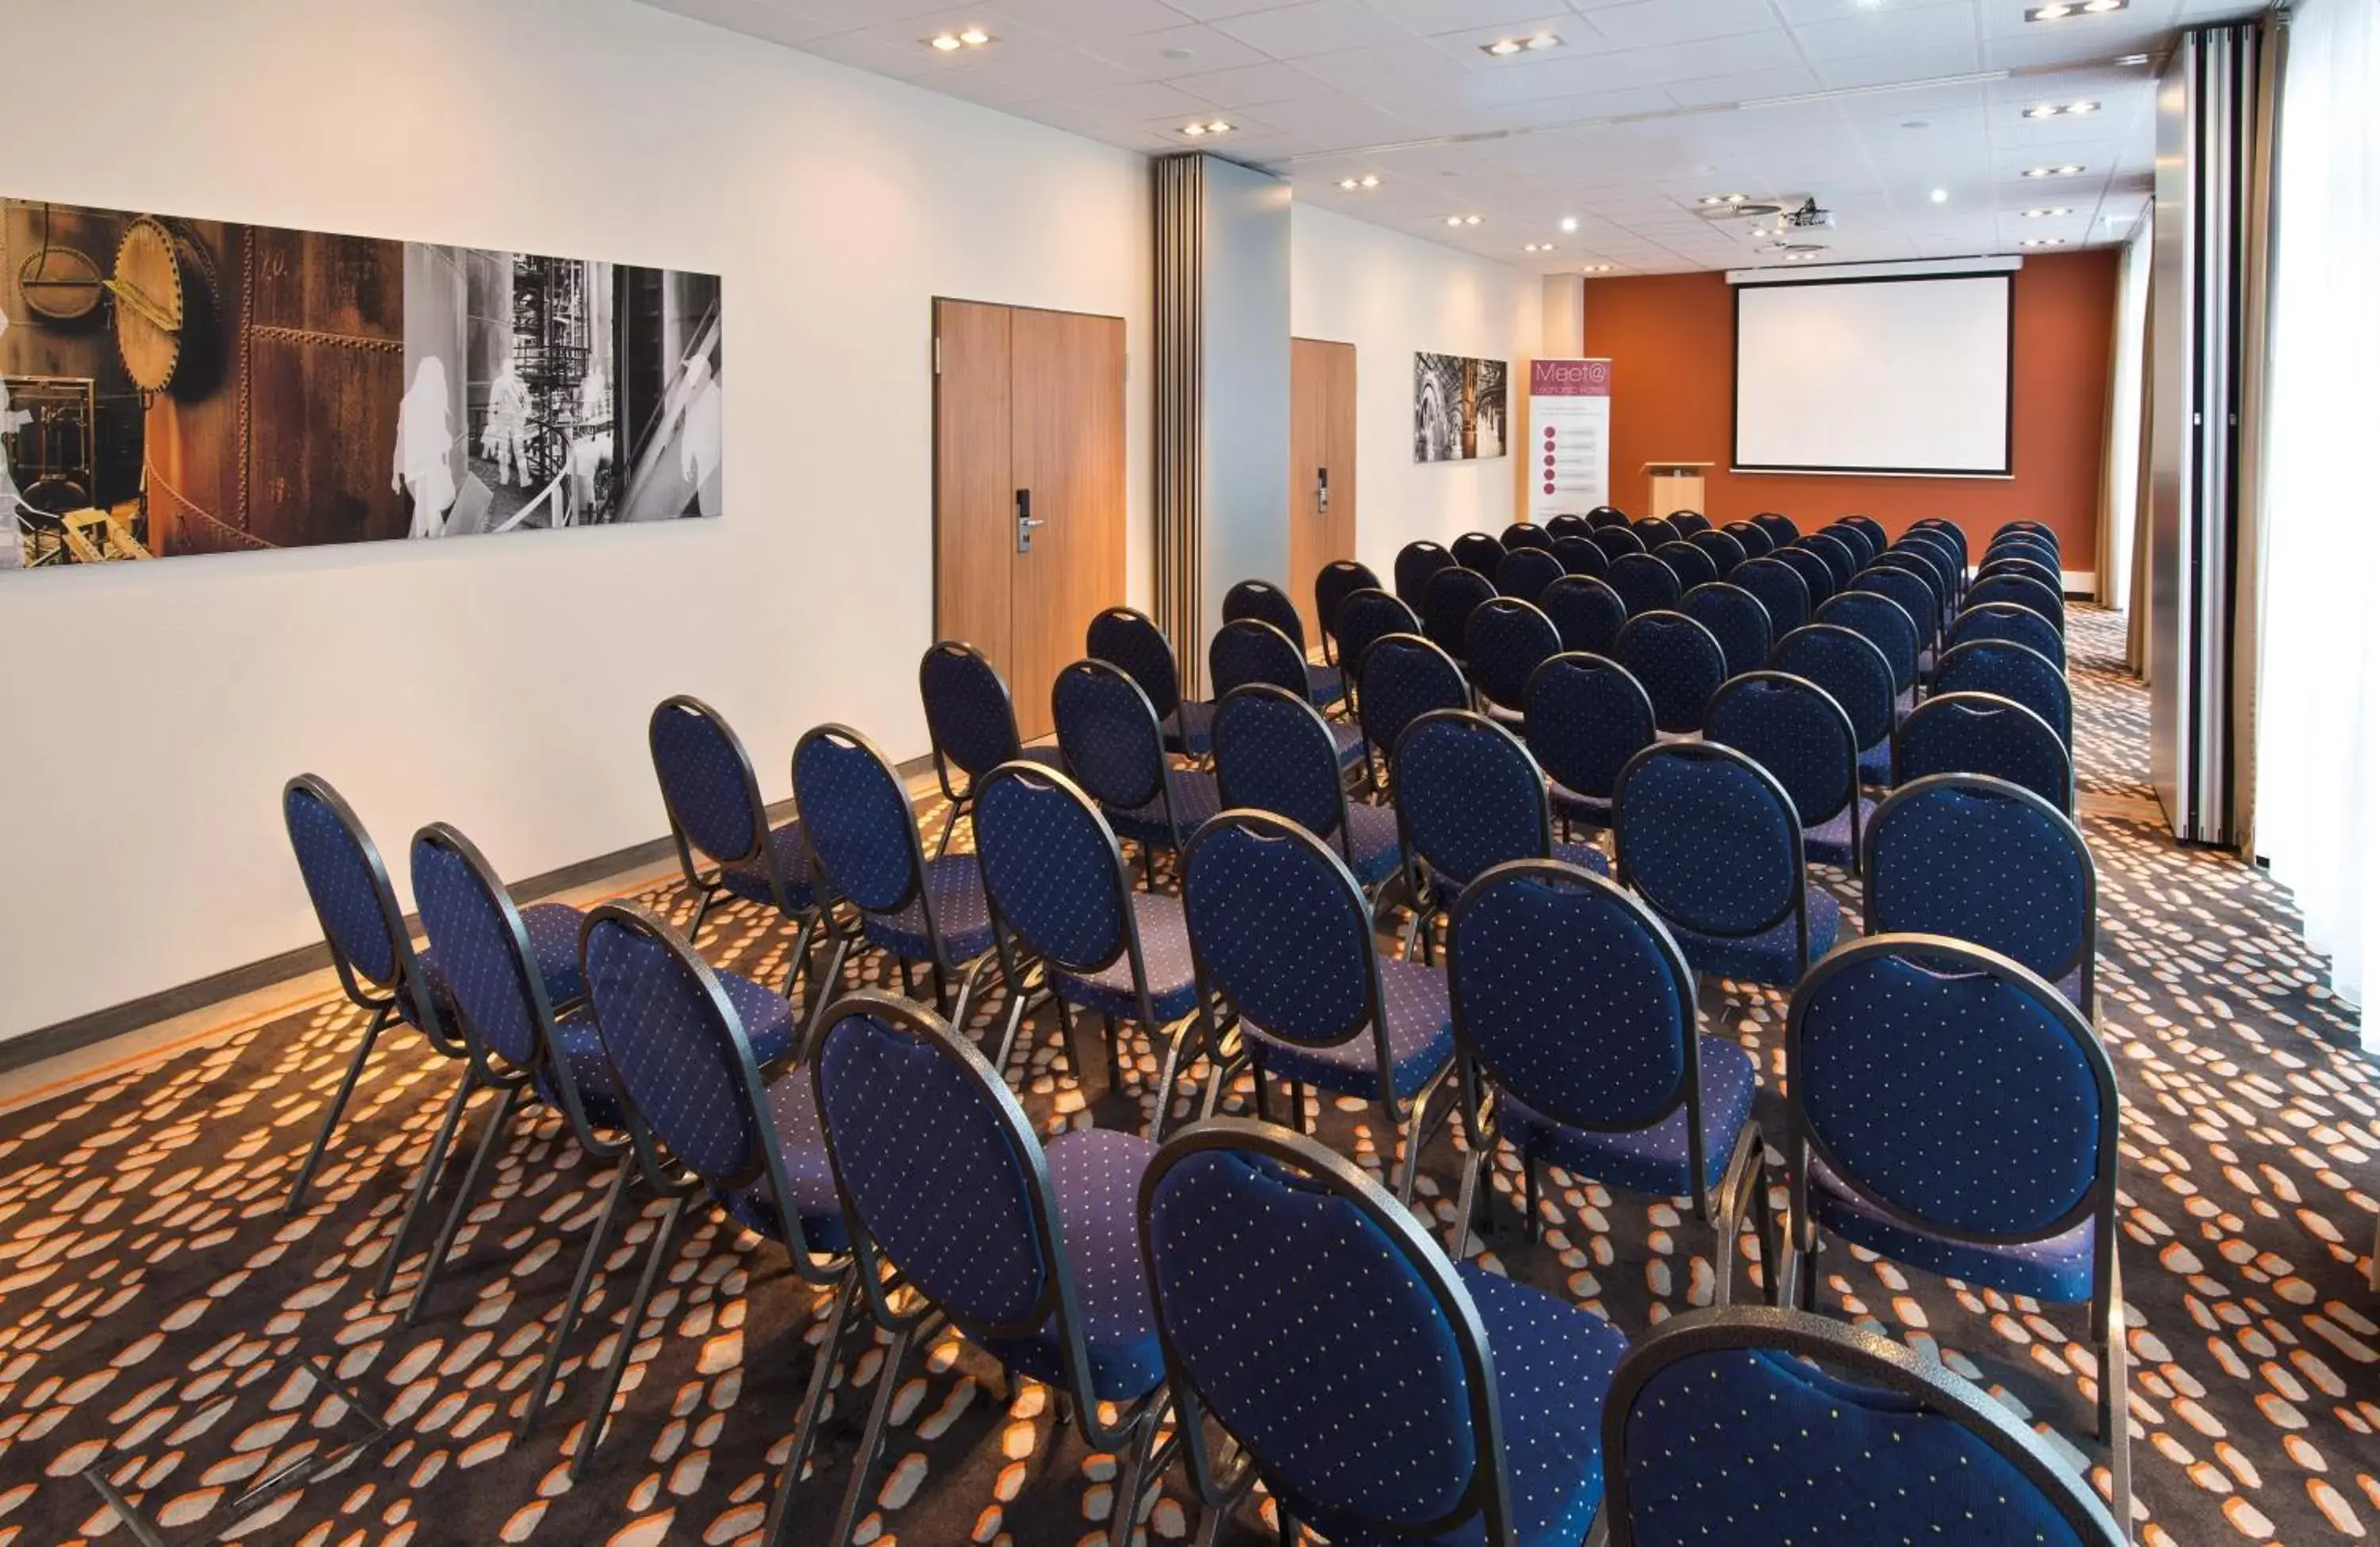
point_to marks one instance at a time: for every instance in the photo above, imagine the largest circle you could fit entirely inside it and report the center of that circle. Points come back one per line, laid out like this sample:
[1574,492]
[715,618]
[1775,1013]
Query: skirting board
[85,1030]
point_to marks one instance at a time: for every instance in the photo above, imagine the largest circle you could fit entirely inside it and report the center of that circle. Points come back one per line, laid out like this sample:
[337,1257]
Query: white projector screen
[1874,376]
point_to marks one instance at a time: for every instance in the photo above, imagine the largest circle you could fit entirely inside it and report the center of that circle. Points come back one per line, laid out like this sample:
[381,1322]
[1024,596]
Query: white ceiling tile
[1651,23]
[1923,64]
[1313,27]
[1709,91]
[1088,20]
[1251,86]
[1175,52]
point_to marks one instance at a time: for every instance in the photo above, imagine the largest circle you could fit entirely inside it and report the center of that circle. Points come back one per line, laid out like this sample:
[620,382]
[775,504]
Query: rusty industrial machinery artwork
[172,387]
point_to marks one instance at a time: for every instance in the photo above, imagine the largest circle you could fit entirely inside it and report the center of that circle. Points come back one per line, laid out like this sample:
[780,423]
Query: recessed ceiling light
[1504,48]
[1463,220]
[1212,126]
[975,37]
[2043,241]
[2069,170]
[2058,10]
[2045,214]
[1940,196]
[2132,59]
[2061,109]
[1369,179]
[965,37]
[1536,246]
[1598,268]
[1570,222]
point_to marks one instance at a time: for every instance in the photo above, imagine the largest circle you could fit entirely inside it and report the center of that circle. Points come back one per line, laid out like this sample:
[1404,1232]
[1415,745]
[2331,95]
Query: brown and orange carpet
[155,1302]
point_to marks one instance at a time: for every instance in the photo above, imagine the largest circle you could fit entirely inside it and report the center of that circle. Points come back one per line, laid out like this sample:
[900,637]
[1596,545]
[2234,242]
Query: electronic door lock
[1026,521]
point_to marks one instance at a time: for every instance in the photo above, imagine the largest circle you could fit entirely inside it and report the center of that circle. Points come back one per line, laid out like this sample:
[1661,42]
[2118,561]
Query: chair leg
[338,1106]
[805,1424]
[577,1297]
[1728,1209]
[1131,1482]
[431,1164]
[497,1122]
[872,1439]
[798,958]
[1169,1071]
[1011,1024]
[1115,1062]
[2115,1381]
[1465,1200]
[601,1413]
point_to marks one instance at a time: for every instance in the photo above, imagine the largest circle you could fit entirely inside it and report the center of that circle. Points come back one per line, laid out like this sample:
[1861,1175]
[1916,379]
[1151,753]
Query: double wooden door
[1028,487]
[1321,466]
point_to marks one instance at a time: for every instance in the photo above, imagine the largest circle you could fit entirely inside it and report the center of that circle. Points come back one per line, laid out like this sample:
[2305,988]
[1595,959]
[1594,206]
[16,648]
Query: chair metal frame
[1798,909]
[1850,738]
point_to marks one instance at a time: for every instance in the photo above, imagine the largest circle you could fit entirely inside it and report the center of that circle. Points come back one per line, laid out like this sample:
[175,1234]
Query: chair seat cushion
[1190,729]
[768,1017]
[792,1111]
[1586,856]
[1767,957]
[1875,764]
[552,929]
[749,880]
[1045,752]
[591,1074]
[2058,1268]
[1095,1179]
[1372,841]
[1349,737]
[1420,1031]
[1164,953]
[1196,798]
[961,912]
[1829,843]
[1325,685]
[1652,1158]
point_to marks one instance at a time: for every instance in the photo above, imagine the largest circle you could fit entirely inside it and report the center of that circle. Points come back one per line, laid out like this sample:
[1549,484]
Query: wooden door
[1321,466]
[1029,428]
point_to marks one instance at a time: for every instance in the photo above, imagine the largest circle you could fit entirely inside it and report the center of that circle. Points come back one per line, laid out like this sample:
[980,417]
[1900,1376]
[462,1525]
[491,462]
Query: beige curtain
[2256,363]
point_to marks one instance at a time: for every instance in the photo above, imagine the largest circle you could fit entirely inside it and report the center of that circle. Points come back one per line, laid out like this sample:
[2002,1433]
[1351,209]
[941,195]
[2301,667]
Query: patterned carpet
[152,1296]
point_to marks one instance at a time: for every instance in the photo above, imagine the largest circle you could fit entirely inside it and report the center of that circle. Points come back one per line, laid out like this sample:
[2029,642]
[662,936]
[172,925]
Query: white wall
[151,712]
[1392,296]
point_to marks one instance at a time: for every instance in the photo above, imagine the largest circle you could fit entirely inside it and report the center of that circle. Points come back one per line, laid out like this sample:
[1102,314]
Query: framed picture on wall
[171,386]
[1458,407]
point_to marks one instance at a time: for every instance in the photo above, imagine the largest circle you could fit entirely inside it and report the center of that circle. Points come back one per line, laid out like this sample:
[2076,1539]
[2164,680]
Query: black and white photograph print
[171,387]
[1458,407]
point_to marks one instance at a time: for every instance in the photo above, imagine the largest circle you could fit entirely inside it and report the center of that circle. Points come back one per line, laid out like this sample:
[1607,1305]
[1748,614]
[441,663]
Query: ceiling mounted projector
[1809,217]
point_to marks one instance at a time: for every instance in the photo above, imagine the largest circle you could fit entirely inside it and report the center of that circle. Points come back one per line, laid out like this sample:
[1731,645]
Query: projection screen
[1902,375]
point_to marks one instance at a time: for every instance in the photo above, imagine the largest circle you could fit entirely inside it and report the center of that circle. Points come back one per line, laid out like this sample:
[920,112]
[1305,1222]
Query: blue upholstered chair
[1711,840]
[1781,529]
[1268,603]
[1367,615]
[715,813]
[1928,566]
[1724,549]
[1678,663]
[1737,619]
[1817,577]
[1401,678]
[1945,546]
[1915,596]
[1691,565]
[1249,651]
[1031,1252]
[1655,530]
[1842,561]
[1130,642]
[1855,536]
[2027,545]
[1616,542]
[1788,725]
[1274,752]
[1579,556]
[2039,529]
[1857,677]
[1381,1393]
[1645,583]
[1504,641]
[708,1127]
[1688,523]
[1446,604]
[1108,731]
[2025,592]
[1982,732]
[1527,572]
[1984,861]
[1526,534]
[1586,717]
[1567,525]
[1756,543]
[1953,1112]
[1478,553]
[970,724]
[2028,562]
[1283,938]
[1416,562]
[1881,621]
[1756,1426]
[1780,590]
[1574,1012]
[1333,583]
[1585,611]
[1469,797]
[920,912]
[1878,540]
[2013,671]
[2006,620]
[1604,516]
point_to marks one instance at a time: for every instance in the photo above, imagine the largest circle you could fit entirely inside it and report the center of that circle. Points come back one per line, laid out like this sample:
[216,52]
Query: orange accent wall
[1671,341]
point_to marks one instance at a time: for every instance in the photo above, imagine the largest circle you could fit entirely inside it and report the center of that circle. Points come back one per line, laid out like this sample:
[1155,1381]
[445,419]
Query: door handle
[1026,521]
[1322,491]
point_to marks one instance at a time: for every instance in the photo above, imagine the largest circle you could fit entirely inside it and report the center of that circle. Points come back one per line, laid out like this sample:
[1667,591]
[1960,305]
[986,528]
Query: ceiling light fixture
[1570,222]
[2132,59]
[965,37]
[1505,48]
[2043,241]
[2058,10]
[2061,109]
[1212,126]
[2069,170]
[2045,214]
[1940,196]
[1369,179]
[1536,246]
[1463,220]
[1598,268]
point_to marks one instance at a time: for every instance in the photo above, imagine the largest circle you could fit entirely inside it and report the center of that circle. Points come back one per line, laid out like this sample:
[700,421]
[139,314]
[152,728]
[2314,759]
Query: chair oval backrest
[1256,1237]
[1606,515]
[1853,673]
[1333,583]
[961,1217]
[1478,552]
[1951,1084]
[1781,529]
[1645,583]
[1506,639]
[1614,542]
[1108,736]
[969,715]
[1756,543]
[1736,618]
[1279,928]
[2043,546]
[2021,559]
[1401,678]
[857,819]
[1273,752]
[1571,996]
[1367,615]
[1781,589]
[1416,562]
[1678,663]
[1722,548]
[1981,859]
[483,949]
[1854,537]
[1579,556]
[1250,649]
[1586,717]
[1585,611]
[1130,642]
[1691,565]
[1446,605]
[2027,594]
[1817,577]
[1051,867]
[1943,547]
[1840,559]
[706,782]
[1523,534]
[1567,525]
[1927,562]
[2006,620]
[1689,522]
[1791,727]
[1469,796]
[1982,732]
[1266,603]
[1527,572]
[1654,530]
[1878,539]
[344,879]
[1879,620]
[1709,838]
[2013,671]
[681,1052]
[1909,589]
